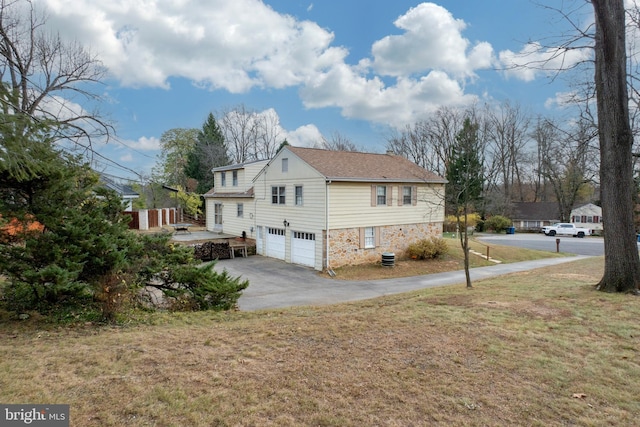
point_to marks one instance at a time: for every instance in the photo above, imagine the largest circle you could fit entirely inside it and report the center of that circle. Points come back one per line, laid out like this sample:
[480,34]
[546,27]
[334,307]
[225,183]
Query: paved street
[591,245]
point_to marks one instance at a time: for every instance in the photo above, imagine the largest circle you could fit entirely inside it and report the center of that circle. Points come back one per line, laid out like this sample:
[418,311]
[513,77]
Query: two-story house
[325,209]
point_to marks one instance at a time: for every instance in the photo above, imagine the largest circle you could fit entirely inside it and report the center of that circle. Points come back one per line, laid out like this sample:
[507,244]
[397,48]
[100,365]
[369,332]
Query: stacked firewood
[210,250]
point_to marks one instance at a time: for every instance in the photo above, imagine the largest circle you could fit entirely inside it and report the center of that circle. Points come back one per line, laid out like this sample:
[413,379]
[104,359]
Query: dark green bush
[432,248]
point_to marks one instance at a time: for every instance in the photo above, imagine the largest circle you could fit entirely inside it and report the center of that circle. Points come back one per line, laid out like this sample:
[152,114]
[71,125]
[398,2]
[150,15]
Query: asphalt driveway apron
[276,284]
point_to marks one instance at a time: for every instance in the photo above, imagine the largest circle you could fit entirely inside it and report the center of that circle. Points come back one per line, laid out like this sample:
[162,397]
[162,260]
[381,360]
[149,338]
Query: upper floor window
[298,195]
[285,165]
[381,193]
[278,195]
[235,178]
[223,179]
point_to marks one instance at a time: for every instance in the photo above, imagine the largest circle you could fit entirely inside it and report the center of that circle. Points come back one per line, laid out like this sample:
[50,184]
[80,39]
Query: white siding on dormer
[308,218]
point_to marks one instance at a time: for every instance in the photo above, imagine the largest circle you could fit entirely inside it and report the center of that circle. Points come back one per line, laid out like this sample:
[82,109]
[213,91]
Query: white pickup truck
[565,229]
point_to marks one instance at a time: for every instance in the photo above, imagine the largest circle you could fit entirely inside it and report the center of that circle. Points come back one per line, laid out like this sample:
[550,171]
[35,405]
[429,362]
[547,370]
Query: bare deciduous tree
[240,129]
[338,142]
[566,162]
[508,128]
[622,264]
[46,78]
[429,143]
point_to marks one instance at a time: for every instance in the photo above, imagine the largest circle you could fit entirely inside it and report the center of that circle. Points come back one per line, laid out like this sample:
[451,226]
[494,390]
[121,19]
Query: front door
[217,218]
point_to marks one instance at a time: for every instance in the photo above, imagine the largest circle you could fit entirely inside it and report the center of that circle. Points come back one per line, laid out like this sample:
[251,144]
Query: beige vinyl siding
[308,218]
[245,178]
[231,224]
[350,206]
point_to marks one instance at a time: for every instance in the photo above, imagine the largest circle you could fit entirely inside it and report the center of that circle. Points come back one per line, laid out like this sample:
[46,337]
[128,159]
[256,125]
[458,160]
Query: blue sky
[357,67]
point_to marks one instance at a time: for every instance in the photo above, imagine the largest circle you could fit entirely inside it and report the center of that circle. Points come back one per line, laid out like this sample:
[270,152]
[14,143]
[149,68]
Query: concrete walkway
[276,284]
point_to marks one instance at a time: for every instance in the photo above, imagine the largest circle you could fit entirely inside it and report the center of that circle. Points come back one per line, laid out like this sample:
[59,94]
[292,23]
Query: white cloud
[432,40]
[561,99]
[304,136]
[219,45]
[145,144]
[407,101]
[213,42]
[61,108]
[534,60]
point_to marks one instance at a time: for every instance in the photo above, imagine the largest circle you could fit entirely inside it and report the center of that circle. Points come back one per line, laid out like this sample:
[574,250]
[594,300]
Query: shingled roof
[538,211]
[356,166]
[124,190]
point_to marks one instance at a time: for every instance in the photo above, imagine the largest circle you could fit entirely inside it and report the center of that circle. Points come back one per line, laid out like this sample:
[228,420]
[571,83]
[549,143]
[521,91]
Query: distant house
[532,216]
[587,216]
[123,190]
[325,209]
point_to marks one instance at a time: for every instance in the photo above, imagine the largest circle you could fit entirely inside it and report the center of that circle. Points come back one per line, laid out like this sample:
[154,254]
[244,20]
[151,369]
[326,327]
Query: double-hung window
[240,210]
[223,179]
[235,178]
[381,193]
[369,237]
[406,195]
[298,195]
[278,195]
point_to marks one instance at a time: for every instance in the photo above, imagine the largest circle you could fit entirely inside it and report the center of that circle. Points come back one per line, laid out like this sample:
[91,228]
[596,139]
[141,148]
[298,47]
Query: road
[591,246]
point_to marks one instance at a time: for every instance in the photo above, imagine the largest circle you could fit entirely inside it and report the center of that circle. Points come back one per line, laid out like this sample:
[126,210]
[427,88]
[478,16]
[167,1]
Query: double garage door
[303,246]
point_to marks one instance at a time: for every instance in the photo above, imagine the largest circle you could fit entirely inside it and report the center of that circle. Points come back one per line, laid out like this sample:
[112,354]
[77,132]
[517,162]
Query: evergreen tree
[464,189]
[465,170]
[81,254]
[210,151]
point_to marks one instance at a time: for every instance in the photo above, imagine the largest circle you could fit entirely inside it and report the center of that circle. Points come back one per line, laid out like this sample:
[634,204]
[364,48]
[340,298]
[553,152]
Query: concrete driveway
[276,284]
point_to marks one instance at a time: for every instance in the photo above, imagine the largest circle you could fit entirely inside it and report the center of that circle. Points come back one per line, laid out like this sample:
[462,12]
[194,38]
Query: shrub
[432,248]
[451,221]
[497,223]
[184,283]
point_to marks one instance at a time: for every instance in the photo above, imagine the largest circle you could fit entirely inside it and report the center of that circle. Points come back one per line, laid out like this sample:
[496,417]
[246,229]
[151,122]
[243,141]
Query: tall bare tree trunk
[622,264]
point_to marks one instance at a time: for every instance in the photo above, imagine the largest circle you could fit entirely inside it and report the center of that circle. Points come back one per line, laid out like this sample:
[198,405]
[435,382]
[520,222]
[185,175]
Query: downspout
[326,218]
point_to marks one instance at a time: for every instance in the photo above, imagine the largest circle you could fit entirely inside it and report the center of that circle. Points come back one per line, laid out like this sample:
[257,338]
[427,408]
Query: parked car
[565,229]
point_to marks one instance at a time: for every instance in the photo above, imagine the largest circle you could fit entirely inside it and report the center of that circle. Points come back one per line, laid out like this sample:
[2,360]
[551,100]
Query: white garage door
[275,243]
[303,248]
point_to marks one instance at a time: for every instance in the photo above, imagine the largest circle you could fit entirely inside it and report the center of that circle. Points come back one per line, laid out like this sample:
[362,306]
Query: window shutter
[389,195]
[376,231]
[361,230]
[400,195]
[414,195]
[374,195]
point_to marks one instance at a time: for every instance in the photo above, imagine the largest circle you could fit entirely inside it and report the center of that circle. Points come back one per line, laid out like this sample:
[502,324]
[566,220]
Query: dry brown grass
[452,261]
[539,348]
